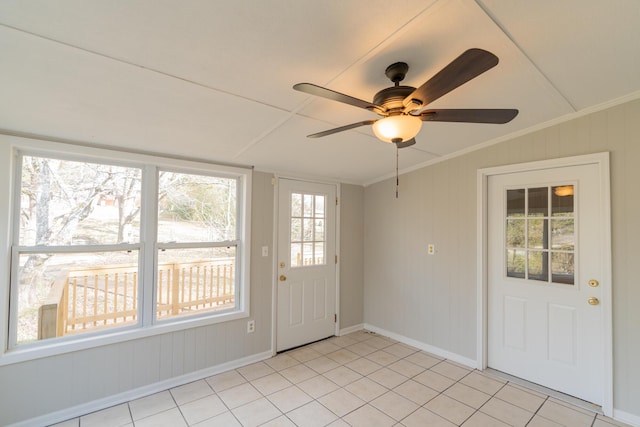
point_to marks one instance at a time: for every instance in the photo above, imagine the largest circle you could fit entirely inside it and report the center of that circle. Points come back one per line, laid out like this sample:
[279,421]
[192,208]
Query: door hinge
[336,259]
[336,201]
[335,318]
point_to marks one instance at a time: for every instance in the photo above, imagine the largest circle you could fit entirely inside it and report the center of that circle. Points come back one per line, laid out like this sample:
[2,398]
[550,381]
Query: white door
[306,263]
[545,264]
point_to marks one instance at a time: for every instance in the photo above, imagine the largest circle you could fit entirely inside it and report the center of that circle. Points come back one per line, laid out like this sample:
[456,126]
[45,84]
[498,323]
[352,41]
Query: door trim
[602,161]
[275,181]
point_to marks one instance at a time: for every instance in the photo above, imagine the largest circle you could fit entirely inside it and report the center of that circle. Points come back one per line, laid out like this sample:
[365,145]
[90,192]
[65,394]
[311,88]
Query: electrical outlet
[251,326]
[431,249]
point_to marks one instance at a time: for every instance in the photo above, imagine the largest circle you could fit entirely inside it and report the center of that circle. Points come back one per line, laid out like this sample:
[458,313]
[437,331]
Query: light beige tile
[449,408]
[313,414]
[361,335]
[304,354]
[400,350]
[343,341]
[150,405]
[388,378]
[483,383]
[368,416]
[363,366]
[383,358]
[342,376]
[361,349]
[380,342]
[115,416]
[325,347]
[255,370]
[342,356]
[538,421]
[467,395]
[528,390]
[341,402]
[563,415]
[434,380]
[256,413]
[406,368]
[574,407]
[521,398]
[339,423]
[170,418]
[281,421]
[322,364]
[416,392]
[394,405]
[289,399]
[317,386]
[271,383]
[298,373]
[423,359]
[423,417]
[226,419]
[480,419]
[506,412]
[203,408]
[192,391]
[366,389]
[239,395]
[450,370]
[281,361]
[225,380]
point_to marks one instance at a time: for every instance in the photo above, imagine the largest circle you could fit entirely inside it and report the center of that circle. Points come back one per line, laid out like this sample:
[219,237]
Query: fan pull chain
[397,178]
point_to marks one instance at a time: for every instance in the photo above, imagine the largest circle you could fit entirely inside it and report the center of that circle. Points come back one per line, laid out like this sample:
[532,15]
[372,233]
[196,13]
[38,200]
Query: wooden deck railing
[101,297]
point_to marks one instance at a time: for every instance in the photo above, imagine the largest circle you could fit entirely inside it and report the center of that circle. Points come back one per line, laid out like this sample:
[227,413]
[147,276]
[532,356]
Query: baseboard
[626,417]
[471,363]
[351,329]
[116,399]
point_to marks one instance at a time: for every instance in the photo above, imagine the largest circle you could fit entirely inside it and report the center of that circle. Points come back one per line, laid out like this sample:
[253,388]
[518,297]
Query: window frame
[146,325]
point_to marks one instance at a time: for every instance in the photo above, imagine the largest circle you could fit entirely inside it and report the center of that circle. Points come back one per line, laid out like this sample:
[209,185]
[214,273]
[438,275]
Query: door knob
[594,283]
[593,301]
[283,277]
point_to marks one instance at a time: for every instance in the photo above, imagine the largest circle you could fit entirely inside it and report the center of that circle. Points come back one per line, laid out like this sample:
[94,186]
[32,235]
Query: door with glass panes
[545,237]
[306,270]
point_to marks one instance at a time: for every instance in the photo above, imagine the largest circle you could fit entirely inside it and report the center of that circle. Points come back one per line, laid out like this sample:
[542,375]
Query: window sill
[40,350]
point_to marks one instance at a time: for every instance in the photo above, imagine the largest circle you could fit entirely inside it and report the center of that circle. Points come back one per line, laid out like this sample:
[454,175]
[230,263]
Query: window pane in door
[562,200]
[515,202]
[562,267]
[516,261]
[307,229]
[562,236]
[538,201]
[538,265]
[537,234]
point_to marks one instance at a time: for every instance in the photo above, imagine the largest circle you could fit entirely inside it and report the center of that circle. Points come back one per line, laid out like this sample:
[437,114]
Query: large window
[102,245]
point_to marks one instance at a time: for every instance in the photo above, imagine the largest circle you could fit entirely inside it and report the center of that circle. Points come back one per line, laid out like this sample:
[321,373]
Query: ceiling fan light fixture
[398,128]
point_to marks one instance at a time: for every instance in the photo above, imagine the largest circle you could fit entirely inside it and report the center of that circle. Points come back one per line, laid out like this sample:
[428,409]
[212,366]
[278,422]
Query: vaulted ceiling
[213,80]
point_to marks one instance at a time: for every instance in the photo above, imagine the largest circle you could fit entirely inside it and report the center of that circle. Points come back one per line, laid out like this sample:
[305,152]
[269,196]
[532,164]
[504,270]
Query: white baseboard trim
[116,399]
[471,363]
[351,329]
[626,417]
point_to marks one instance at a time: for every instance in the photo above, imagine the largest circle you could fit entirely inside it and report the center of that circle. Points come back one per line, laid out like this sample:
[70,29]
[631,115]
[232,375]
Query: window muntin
[88,240]
[540,234]
[307,223]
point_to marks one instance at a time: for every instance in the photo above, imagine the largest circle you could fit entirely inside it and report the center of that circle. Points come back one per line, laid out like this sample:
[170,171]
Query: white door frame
[274,251]
[602,161]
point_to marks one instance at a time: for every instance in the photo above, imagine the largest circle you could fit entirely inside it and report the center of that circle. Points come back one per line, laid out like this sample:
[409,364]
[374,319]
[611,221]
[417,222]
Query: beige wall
[432,299]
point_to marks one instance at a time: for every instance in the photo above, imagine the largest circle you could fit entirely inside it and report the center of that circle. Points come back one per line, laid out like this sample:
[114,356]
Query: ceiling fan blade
[341,128]
[323,92]
[471,115]
[465,67]
[407,143]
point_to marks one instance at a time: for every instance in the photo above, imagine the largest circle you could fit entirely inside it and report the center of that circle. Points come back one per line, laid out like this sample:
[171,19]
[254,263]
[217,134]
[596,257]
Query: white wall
[432,299]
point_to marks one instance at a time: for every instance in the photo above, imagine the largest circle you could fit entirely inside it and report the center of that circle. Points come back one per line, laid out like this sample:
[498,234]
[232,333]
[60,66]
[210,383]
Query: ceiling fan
[402,108]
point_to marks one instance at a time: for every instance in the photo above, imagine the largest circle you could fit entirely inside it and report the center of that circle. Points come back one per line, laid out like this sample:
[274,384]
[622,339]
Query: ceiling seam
[517,45]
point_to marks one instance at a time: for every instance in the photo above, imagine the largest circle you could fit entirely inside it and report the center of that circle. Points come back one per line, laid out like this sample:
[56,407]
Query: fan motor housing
[391,98]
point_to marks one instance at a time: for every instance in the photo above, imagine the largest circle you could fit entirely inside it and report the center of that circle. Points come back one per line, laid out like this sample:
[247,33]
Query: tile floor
[360,379]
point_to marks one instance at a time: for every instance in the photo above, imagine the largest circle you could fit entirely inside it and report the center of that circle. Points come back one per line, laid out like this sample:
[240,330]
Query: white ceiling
[212,79]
